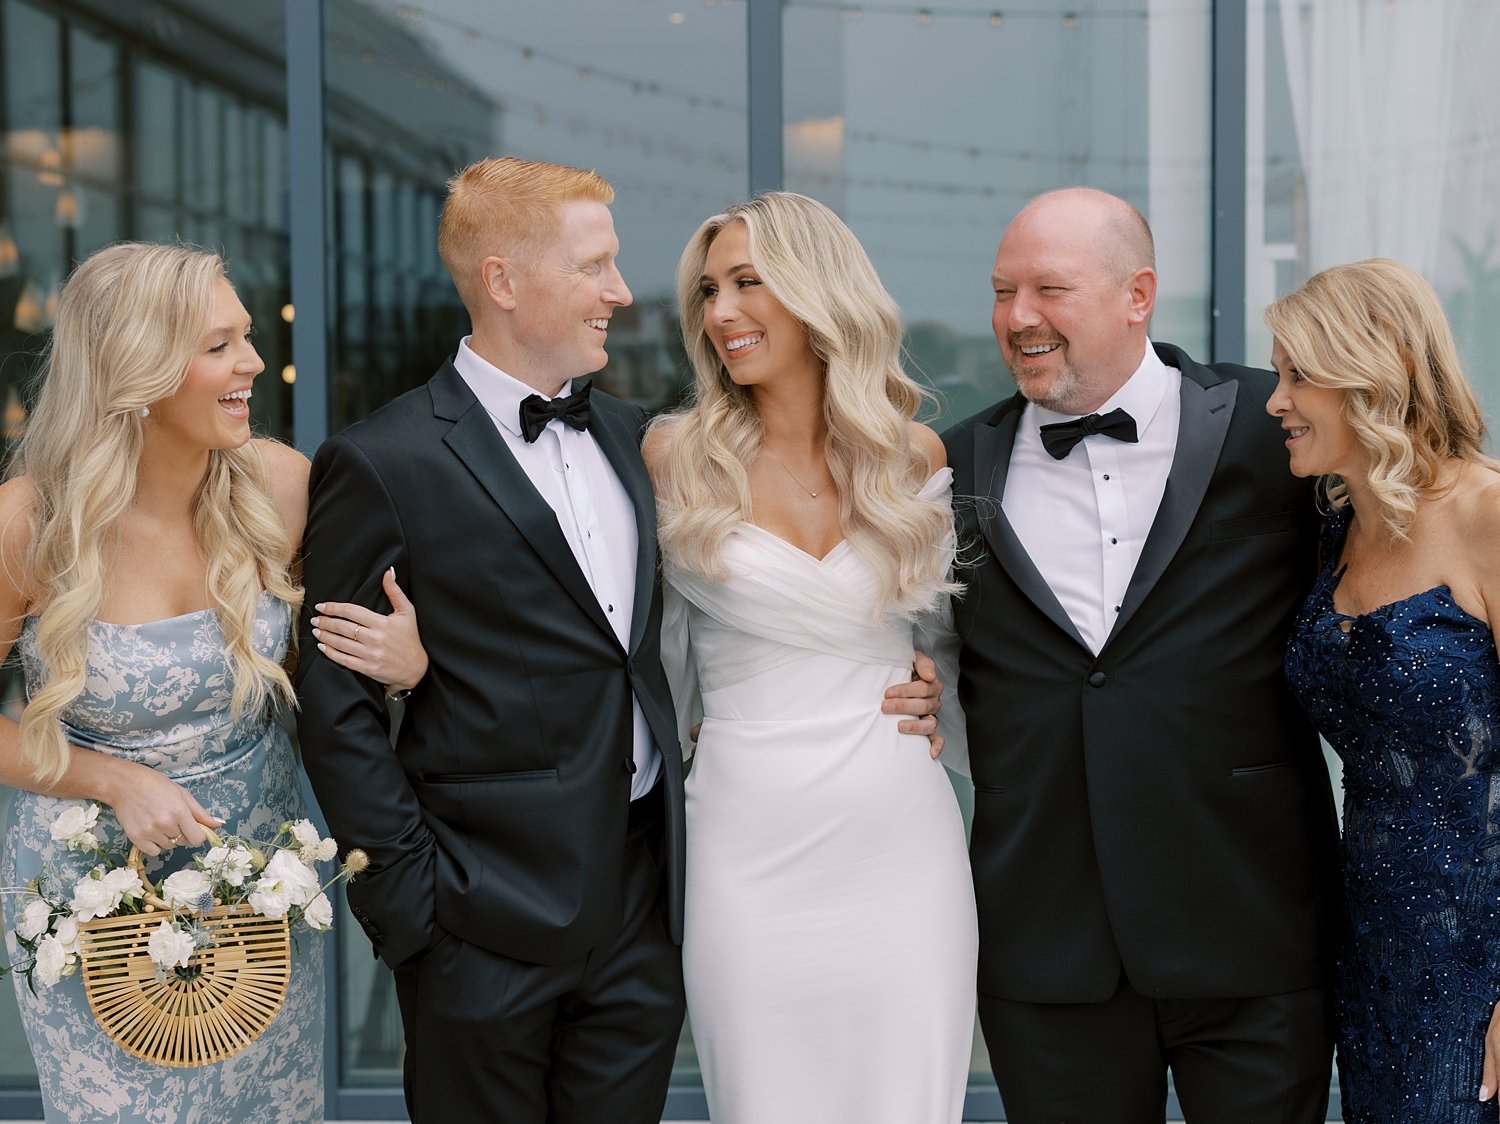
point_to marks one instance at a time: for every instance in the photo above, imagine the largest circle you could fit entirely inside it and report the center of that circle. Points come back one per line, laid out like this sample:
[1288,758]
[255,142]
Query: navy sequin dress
[1409,697]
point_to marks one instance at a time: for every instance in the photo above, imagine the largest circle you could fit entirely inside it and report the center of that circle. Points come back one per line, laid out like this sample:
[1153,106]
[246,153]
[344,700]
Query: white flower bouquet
[193,971]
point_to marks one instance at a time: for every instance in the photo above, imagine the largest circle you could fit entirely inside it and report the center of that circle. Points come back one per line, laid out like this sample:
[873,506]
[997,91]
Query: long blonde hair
[811,263]
[129,322]
[1376,330]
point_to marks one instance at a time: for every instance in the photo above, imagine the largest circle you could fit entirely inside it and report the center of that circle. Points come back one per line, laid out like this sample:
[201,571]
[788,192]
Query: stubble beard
[1064,393]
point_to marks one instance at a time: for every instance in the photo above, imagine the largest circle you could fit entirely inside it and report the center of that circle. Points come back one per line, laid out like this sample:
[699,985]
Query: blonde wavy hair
[811,263]
[1376,330]
[130,320]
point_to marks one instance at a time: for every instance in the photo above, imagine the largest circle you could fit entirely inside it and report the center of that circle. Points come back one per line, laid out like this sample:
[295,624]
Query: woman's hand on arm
[385,647]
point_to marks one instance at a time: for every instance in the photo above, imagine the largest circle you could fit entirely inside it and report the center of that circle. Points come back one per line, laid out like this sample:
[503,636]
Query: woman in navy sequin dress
[1394,658]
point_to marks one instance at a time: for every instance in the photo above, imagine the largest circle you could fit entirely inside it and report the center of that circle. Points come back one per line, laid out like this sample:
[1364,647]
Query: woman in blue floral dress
[146,551]
[1394,658]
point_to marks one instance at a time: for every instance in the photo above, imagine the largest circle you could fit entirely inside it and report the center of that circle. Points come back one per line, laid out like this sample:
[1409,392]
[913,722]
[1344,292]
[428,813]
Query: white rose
[35,921]
[186,889]
[319,913]
[270,898]
[74,826]
[93,897]
[301,883]
[170,947]
[67,933]
[125,882]
[306,834]
[228,864]
[52,960]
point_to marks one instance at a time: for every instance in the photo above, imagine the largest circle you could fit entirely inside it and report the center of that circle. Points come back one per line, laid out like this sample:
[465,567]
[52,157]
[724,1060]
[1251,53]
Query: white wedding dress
[831,937]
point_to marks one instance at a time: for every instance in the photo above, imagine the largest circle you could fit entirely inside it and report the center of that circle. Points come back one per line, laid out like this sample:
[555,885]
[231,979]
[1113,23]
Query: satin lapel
[475,441]
[617,429]
[993,442]
[1206,412]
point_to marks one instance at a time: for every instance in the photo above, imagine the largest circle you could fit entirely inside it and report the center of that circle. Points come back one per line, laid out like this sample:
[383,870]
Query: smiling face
[211,407]
[564,297]
[755,337]
[1071,324]
[1320,441]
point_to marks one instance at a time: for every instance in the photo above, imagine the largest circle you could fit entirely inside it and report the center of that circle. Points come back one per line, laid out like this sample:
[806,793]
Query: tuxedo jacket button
[1097,679]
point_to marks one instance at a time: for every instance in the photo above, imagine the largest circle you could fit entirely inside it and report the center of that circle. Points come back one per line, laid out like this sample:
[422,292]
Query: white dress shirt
[1084,519]
[571,472]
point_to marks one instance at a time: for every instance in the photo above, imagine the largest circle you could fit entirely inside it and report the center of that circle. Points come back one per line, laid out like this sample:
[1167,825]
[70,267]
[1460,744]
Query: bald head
[1117,231]
[1075,285]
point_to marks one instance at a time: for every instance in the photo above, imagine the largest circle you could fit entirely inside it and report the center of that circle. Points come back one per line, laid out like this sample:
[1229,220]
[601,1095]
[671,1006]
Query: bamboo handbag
[187,1016]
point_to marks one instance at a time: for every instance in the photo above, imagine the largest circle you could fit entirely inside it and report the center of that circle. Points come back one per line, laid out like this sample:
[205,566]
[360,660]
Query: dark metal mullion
[764,93]
[1229,190]
[65,125]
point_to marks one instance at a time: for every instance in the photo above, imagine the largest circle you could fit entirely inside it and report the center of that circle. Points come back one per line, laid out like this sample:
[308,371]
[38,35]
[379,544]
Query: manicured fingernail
[391,570]
[317,632]
[321,606]
[1484,1092]
[321,648]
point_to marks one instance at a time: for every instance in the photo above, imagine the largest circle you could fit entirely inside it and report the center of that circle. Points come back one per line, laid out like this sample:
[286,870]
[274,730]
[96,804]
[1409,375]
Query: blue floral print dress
[159,693]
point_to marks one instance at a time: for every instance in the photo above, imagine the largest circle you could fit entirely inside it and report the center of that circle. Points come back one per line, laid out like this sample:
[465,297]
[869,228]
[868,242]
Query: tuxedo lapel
[1207,407]
[993,442]
[617,429]
[476,442]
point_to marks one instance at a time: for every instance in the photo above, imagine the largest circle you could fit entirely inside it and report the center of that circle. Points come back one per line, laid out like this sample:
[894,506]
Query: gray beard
[1066,393]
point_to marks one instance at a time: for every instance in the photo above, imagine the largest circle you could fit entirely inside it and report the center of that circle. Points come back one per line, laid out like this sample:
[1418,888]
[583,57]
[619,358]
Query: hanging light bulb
[15,415]
[69,209]
[10,255]
[51,173]
[28,316]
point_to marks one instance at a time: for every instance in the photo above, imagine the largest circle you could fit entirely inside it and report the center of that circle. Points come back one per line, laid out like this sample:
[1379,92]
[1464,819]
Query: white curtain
[1372,89]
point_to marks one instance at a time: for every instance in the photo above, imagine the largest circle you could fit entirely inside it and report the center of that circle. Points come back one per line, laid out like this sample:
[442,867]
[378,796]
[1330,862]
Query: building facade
[309,141]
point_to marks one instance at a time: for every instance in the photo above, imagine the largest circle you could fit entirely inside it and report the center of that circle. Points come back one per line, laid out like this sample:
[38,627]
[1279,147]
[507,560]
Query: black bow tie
[537,411]
[1060,437]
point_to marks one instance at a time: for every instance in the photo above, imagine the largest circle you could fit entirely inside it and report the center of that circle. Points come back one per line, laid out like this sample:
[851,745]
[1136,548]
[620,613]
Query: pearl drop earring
[145,411]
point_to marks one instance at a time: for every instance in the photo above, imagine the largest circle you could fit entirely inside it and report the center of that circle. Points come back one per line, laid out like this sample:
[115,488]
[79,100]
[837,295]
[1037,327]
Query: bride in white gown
[806,530]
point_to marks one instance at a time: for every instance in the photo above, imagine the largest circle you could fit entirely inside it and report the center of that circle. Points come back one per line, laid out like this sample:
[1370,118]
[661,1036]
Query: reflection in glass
[927,129]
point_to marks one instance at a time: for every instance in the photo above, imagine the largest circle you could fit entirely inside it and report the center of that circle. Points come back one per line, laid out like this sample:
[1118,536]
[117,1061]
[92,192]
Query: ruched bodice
[158,694]
[1409,696]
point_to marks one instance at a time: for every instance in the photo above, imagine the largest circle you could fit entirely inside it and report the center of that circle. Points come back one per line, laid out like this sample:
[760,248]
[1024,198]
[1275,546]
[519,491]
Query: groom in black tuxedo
[526,834]
[1153,832]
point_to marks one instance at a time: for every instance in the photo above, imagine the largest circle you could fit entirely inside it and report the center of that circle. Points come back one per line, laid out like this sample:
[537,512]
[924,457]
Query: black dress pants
[1261,1060]
[591,1041]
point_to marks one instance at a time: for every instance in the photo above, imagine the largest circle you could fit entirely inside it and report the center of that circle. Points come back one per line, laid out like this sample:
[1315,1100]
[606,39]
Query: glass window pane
[928,129]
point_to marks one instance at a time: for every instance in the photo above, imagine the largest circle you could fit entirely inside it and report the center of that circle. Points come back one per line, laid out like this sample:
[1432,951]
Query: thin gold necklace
[793,475]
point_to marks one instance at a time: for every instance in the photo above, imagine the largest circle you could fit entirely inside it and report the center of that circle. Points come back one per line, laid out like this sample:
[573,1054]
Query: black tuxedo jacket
[1163,805]
[500,816]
